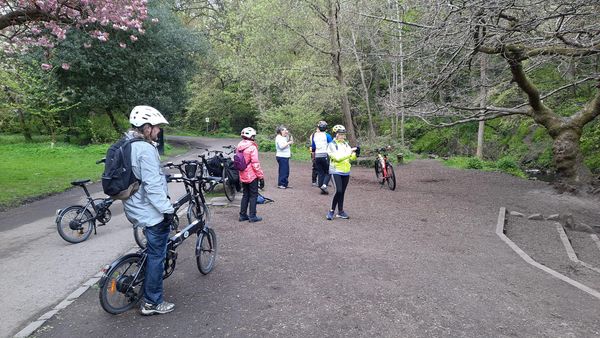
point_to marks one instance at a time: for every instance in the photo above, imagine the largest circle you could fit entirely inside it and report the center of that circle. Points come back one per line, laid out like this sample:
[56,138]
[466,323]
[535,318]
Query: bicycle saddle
[80,182]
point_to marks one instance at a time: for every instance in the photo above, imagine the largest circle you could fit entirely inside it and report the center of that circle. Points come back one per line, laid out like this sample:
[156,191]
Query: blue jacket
[146,207]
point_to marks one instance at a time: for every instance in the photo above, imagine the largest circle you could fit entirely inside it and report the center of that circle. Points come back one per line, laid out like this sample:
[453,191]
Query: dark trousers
[157,237]
[322,164]
[249,196]
[314,173]
[284,170]
[341,183]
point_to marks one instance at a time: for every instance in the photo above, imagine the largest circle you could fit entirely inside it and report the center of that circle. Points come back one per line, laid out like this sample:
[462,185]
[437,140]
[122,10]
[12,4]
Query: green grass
[36,169]
[506,164]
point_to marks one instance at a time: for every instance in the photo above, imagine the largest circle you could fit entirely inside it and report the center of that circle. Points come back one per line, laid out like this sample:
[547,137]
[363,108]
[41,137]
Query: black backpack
[118,180]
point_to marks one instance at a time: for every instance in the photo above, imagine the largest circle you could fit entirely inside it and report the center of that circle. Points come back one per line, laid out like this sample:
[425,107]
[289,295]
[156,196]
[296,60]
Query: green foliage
[506,164]
[229,110]
[590,145]
[101,130]
[153,70]
[30,99]
[474,163]
[266,143]
[299,120]
[459,140]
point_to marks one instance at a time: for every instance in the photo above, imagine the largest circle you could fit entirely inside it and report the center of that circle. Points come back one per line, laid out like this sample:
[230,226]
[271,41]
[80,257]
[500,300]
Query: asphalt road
[421,261]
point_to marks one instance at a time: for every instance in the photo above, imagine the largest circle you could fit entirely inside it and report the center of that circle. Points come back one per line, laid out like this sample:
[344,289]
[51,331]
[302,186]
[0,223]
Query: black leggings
[341,182]
[249,197]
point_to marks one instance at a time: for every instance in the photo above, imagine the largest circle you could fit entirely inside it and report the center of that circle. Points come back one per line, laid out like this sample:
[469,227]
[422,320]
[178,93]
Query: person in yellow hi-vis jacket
[340,154]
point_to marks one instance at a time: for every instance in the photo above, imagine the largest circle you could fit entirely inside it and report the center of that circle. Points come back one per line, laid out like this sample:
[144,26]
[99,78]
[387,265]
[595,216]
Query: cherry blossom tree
[41,22]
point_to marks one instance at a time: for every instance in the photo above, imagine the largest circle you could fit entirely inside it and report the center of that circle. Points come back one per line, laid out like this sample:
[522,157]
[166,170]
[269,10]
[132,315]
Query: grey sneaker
[342,214]
[330,215]
[148,309]
[254,219]
[324,190]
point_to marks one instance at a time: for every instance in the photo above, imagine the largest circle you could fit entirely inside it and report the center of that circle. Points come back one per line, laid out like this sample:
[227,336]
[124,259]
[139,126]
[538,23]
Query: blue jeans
[284,170]
[156,248]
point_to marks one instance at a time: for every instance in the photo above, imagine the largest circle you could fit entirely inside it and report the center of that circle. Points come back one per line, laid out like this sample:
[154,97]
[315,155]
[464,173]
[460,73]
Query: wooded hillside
[506,80]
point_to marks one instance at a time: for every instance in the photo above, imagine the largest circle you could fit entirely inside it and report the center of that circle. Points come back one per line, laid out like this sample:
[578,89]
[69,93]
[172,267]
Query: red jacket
[253,169]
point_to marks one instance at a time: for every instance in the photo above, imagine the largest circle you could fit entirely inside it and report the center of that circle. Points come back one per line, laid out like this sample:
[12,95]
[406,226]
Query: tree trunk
[24,127]
[336,53]
[401,52]
[482,103]
[371,132]
[394,101]
[571,171]
[113,122]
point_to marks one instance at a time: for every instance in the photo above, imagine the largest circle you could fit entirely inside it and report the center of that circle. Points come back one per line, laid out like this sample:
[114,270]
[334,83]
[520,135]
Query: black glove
[261,183]
[169,219]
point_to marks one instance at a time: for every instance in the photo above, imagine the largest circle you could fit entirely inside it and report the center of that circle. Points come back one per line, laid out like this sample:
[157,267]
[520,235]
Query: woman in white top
[283,140]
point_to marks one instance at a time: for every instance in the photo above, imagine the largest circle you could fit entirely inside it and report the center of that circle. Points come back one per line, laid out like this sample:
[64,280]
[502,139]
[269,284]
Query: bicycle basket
[190,170]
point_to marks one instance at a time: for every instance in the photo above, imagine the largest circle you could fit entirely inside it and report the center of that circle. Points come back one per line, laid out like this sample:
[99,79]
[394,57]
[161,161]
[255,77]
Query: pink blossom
[78,14]
[154,20]
[87,45]
[122,44]
[65,66]
[133,38]
[46,66]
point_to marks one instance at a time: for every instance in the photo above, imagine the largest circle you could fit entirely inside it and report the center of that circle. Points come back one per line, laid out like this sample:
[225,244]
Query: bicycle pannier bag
[118,180]
[213,165]
[239,162]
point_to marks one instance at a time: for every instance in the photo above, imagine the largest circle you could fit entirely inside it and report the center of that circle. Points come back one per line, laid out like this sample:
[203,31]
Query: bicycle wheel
[228,185]
[122,287]
[391,176]
[75,224]
[140,236]
[193,213]
[206,250]
[379,172]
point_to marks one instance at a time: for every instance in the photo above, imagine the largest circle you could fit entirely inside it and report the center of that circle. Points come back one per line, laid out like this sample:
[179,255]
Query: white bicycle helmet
[248,132]
[141,115]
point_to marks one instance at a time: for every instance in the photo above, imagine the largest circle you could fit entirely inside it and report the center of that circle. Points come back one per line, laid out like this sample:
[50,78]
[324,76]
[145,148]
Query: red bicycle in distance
[384,170]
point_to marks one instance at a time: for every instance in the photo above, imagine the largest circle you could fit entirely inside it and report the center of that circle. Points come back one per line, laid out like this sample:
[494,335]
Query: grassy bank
[505,164]
[31,170]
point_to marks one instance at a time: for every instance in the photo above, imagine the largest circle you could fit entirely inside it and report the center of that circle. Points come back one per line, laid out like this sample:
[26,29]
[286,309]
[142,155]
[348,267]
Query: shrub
[474,163]
[507,163]
[101,129]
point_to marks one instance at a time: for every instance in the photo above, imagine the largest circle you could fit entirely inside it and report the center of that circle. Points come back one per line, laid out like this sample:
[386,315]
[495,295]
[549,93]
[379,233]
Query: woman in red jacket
[252,177]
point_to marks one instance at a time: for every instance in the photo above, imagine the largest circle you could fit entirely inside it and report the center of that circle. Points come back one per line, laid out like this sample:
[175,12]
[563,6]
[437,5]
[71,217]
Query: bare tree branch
[412,24]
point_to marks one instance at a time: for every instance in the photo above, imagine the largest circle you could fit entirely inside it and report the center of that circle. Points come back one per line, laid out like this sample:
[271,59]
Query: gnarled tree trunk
[571,171]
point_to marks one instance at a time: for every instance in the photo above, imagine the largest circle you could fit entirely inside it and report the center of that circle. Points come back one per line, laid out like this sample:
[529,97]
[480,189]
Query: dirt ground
[421,261]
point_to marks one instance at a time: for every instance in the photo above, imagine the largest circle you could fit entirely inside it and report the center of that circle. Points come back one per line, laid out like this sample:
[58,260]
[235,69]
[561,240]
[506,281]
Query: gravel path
[422,261]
